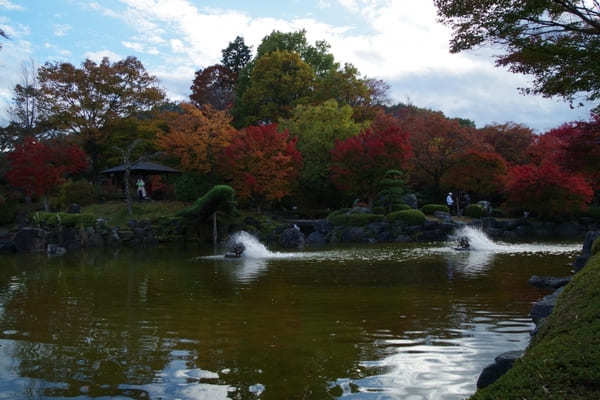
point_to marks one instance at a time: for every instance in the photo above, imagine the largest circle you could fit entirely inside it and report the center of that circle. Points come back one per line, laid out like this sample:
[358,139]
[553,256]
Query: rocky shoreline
[539,312]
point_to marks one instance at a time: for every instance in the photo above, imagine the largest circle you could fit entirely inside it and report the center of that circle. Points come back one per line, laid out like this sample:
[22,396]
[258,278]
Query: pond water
[371,322]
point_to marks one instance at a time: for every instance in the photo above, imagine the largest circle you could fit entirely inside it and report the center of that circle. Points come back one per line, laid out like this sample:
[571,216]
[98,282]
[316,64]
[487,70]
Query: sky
[399,41]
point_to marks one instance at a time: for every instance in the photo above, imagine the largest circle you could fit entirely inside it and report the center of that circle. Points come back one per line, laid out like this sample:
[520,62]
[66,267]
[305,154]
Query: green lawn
[115,212]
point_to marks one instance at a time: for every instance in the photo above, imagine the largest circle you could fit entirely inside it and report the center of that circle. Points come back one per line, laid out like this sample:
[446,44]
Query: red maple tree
[547,190]
[477,172]
[37,167]
[360,162]
[262,163]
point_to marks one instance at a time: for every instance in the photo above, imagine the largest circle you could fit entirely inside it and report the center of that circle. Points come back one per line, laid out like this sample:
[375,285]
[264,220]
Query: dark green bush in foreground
[408,217]
[80,192]
[219,198]
[355,219]
[563,360]
[474,211]
[429,209]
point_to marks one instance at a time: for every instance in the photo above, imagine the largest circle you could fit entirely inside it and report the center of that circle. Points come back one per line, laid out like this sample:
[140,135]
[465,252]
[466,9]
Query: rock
[323,226]
[354,235]
[74,209]
[442,215]
[586,251]
[55,250]
[548,282]
[30,240]
[403,239]
[543,308]
[568,229]
[316,239]
[291,238]
[410,199]
[7,246]
[501,365]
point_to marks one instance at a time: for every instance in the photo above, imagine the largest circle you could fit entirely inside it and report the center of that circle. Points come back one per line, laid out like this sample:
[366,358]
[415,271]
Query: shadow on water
[364,322]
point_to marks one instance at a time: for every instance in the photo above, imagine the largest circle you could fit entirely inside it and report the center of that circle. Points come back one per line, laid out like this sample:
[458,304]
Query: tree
[37,167]
[510,140]
[197,137]
[236,55]
[213,85]
[436,142]
[476,172]
[547,190]
[317,128]
[555,41]
[360,162]
[262,164]
[25,111]
[83,101]
[4,35]
[279,81]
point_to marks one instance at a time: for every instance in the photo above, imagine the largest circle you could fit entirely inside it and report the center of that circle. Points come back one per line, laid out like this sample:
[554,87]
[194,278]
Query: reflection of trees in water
[102,319]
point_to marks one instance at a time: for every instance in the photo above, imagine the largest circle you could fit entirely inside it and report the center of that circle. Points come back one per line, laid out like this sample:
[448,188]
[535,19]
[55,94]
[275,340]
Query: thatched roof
[146,168]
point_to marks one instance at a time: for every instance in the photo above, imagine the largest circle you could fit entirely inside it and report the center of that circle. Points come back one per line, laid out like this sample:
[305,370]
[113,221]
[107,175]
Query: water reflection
[387,321]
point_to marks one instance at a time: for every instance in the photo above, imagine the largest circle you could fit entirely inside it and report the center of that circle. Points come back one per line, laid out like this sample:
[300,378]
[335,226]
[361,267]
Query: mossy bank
[563,359]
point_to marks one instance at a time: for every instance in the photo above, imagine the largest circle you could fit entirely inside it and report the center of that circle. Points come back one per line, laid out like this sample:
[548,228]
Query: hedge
[429,209]
[355,219]
[474,211]
[408,217]
[219,198]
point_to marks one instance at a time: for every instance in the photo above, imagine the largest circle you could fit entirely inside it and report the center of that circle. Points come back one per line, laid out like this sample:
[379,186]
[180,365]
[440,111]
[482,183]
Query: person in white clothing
[450,202]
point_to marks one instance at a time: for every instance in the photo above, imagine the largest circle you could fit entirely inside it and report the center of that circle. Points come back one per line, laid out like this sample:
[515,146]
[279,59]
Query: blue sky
[395,40]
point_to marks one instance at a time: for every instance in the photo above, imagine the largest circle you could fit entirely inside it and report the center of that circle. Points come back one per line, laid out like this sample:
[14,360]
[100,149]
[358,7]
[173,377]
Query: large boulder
[486,205]
[410,199]
[30,240]
[586,251]
[543,308]
[292,238]
[568,229]
[501,365]
[355,235]
[316,239]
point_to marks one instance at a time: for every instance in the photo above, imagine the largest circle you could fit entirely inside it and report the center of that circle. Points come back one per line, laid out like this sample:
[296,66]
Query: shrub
[474,211]
[338,212]
[219,198]
[408,217]
[400,207]
[429,209]
[596,246]
[190,187]
[592,212]
[355,219]
[81,192]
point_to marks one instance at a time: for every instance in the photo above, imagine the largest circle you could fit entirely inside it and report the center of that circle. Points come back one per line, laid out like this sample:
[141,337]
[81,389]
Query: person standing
[141,189]
[450,202]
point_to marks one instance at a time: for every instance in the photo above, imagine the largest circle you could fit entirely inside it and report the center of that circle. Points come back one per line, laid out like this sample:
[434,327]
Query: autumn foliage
[197,137]
[360,162]
[37,167]
[262,164]
[476,172]
[547,190]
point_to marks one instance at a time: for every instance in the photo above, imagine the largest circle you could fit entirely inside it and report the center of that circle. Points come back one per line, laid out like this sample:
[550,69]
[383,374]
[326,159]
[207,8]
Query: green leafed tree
[557,42]
[279,81]
[317,128]
[236,55]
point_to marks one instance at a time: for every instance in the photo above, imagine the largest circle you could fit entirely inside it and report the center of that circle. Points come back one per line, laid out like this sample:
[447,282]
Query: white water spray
[479,241]
[254,248]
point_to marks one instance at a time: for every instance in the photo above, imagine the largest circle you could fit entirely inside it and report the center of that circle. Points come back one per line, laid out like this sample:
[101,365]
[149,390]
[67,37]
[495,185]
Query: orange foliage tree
[262,164]
[197,137]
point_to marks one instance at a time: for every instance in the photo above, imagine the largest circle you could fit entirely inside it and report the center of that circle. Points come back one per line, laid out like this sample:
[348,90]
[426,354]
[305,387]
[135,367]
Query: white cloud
[61,29]
[11,6]
[134,46]
[97,56]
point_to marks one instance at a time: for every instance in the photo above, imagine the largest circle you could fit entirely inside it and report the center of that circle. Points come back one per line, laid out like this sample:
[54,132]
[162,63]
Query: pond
[369,322]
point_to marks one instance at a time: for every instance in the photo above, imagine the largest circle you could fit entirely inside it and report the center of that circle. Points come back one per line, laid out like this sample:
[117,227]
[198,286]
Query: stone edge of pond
[563,358]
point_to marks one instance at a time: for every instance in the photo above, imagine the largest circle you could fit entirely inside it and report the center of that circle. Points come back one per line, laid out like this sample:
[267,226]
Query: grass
[563,360]
[115,212]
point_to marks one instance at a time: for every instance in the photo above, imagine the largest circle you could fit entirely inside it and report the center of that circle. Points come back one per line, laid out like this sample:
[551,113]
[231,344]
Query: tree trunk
[127,195]
[46,206]
[215,234]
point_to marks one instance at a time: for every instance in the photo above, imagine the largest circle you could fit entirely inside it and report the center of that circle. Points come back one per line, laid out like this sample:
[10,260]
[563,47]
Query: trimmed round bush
[338,212]
[355,219]
[596,246]
[474,211]
[400,207]
[429,209]
[408,217]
